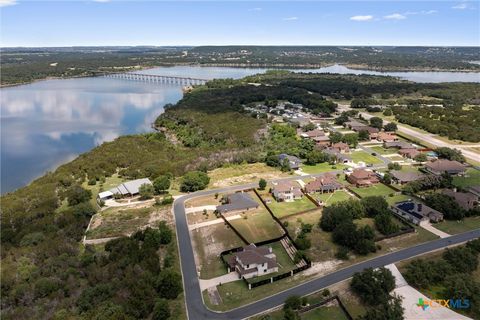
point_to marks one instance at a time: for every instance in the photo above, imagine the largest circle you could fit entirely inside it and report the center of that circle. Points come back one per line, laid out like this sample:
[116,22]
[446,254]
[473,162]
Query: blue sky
[115,22]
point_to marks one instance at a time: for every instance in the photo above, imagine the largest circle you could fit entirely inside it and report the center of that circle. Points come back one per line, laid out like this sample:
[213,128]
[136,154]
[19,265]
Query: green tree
[194,181]
[169,284]
[166,233]
[262,184]
[161,184]
[391,126]
[335,137]
[374,205]
[450,154]
[146,191]
[376,122]
[373,286]
[76,194]
[391,310]
[161,310]
[363,135]
[351,139]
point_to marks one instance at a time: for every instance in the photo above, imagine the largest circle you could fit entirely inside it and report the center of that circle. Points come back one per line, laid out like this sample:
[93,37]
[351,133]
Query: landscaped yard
[453,227]
[364,156]
[282,209]
[257,225]
[383,151]
[322,167]
[331,198]
[242,173]
[472,178]
[378,189]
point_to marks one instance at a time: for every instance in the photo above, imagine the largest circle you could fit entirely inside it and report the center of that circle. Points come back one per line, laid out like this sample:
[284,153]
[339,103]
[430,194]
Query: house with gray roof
[293,161]
[416,212]
[253,261]
[126,189]
[466,200]
[402,177]
[236,202]
[440,166]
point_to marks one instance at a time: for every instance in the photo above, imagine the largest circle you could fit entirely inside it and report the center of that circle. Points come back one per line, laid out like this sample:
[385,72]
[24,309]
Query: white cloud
[361,18]
[290,19]
[461,6]
[423,12]
[6,3]
[395,16]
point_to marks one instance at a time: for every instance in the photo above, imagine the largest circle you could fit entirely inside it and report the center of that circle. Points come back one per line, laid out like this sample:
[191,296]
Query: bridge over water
[156,78]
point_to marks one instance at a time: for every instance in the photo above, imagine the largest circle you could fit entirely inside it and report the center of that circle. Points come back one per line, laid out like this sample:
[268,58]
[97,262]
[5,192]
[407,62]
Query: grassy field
[114,222]
[282,209]
[364,156]
[472,178]
[322,167]
[453,227]
[242,173]
[331,198]
[257,225]
[378,189]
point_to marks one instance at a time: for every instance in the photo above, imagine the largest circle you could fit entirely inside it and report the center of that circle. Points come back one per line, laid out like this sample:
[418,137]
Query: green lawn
[110,182]
[453,227]
[331,198]
[282,209]
[330,313]
[364,156]
[383,151]
[397,198]
[257,226]
[322,167]
[472,178]
[378,189]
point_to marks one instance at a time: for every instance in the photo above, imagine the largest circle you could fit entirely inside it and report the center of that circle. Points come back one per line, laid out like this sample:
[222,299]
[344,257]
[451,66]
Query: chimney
[419,207]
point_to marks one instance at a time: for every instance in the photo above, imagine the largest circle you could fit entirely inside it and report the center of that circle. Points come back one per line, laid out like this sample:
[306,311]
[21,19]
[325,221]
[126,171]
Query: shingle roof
[238,201]
[130,187]
[445,165]
[406,176]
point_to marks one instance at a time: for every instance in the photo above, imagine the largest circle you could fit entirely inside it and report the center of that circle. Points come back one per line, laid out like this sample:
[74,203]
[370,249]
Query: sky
[161,23]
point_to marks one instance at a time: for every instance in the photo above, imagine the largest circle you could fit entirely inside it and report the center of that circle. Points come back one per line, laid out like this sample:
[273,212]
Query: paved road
[193,296]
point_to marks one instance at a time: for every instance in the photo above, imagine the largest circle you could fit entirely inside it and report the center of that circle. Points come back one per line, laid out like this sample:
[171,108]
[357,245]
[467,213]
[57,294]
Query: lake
[47,123]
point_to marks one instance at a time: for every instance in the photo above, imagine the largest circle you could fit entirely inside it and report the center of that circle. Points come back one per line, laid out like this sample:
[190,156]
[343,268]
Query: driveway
[428,226]
[226,278]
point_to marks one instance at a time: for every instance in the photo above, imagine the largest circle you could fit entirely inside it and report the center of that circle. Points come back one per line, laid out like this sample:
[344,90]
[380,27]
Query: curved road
[196,309]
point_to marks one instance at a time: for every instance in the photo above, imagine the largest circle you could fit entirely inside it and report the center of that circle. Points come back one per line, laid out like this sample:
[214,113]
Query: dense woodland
[20,65]
[46,273]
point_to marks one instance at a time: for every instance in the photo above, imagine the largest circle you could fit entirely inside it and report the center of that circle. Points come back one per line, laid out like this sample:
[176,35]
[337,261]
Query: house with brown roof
[408,152]
[340,147]
[287,191]
[312,134]
[372,132]
[325,183]
[387,137]
[466,200]
[440,166]
[321,141]
[402,177]
[253,261]
[362,178]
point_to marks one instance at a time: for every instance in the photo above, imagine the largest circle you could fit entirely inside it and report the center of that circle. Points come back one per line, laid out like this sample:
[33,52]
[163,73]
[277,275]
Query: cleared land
[204,201]
[322,167]
[364,156]
[208,243]
[282,209]
[378,189]
[197,217]
[257,225]
[242,173]
[453,227]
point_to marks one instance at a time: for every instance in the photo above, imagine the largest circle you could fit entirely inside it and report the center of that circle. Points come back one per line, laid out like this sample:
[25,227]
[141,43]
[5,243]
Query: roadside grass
[281,209]
[115,222]
[364,156]
[331,198]
[378,189]
[472,178]
[454,226]
[322,167]
[242,173]
[208,243]
[257,225]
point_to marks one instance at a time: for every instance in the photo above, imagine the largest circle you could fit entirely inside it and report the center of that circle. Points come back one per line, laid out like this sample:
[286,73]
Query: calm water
[48,123]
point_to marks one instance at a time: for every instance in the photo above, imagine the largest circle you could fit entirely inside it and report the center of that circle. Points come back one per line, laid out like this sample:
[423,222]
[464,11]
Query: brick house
[362,178]
[325,183]
[287,191]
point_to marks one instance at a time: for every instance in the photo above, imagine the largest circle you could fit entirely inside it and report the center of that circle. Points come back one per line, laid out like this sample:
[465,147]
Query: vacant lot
[204,201]
[453,227]
[322,167]
[472,178]
[257,225]
[208,243]
[242,173]
[378,189]
[282,209]
[364,156]
[331,198]
[198,217]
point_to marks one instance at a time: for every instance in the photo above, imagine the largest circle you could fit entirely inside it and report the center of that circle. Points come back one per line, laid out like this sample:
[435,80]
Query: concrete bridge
[156,78]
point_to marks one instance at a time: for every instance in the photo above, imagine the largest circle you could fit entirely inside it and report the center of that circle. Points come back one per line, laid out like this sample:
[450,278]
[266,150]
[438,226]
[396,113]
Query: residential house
[387,137]
[372,132]
[362,178]
[355,125]
[323,184]
[287,191]
[440,166]
[466,200]
[340,147]
[417,213]
[337,156]
[253,261]
[312,134]
[293,161]
[402,177]
[408,152]
[240,201]
[126,189]
[321,141]
[475,190]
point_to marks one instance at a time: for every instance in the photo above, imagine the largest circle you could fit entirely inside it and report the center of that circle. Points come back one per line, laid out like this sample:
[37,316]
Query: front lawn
[453,227]
[331,198]
[472,178]
[322,167]
[282,209]
[378,189]
[257,225]
[365,157]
